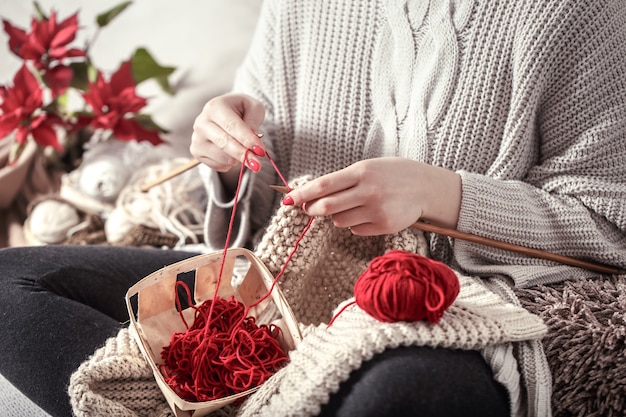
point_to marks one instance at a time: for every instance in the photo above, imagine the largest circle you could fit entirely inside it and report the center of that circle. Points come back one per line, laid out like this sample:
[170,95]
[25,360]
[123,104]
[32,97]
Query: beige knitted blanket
[116,380]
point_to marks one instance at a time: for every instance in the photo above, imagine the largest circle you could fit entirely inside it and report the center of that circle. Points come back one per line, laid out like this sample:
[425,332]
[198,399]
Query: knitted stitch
[526,100]
[321,274]
[116,381]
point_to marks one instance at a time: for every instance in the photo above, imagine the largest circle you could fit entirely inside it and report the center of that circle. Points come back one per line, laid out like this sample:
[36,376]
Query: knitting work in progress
[317,280]
[224,352]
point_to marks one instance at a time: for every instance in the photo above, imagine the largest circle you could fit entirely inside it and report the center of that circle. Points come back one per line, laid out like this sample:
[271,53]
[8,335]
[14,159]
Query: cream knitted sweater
[525,99]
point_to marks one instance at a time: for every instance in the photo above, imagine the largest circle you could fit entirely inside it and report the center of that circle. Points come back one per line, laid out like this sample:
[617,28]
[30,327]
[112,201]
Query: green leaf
[81,75]
[63,101]
[107,17]
[145,67]
[92,73]
[39,11]
[146,121]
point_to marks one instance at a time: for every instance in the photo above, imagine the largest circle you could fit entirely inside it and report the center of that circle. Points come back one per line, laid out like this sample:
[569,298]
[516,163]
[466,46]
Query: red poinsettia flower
[112,102]
[19,106]
[46,45]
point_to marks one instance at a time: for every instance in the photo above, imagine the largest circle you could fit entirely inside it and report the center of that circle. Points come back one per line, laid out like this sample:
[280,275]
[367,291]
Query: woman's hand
[382,195]
[225,130]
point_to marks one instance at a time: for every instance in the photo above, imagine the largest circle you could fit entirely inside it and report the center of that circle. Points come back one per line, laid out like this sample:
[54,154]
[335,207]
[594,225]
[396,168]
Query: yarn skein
[404,286]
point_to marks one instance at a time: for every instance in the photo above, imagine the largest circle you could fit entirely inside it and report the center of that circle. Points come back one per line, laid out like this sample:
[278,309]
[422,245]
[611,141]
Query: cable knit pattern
[525,99]
[415,70]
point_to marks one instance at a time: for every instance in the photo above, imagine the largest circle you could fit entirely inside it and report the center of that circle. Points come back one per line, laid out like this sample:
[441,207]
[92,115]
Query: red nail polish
[288,201]
[254,165]
[258,151]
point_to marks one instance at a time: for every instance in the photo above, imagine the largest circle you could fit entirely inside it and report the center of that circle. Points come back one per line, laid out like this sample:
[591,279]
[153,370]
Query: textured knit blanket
[116,379]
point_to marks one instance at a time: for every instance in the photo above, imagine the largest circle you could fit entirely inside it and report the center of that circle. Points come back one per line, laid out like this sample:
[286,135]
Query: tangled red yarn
[221,354]
[404,286]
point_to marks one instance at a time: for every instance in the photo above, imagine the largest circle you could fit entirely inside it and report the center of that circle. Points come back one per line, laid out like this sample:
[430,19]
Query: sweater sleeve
[573,200]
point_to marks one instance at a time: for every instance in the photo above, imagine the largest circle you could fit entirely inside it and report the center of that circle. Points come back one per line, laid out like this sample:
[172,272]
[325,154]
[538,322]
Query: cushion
[585,344]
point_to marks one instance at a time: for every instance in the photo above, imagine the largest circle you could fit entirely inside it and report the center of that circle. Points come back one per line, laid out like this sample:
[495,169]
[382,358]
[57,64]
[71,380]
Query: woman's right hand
[225,130]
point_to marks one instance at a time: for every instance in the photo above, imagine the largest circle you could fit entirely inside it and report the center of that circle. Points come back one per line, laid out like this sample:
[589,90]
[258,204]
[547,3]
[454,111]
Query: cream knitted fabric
[319,276]
[116,380]
[328,354]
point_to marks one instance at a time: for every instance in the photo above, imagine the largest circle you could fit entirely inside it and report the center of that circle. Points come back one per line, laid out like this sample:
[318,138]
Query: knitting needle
[175,172]
[427,227]
[168,176]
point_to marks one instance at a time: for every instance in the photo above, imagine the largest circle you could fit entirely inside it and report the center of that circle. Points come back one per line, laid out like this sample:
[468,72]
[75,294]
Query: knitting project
[117,380]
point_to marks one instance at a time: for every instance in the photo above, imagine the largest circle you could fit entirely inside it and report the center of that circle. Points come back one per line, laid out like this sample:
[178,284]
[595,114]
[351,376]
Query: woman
[504,119]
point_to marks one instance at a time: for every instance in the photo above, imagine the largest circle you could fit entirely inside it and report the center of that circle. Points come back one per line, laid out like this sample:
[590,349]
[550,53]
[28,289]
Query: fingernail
[254,165]
[288,201]
[258,151]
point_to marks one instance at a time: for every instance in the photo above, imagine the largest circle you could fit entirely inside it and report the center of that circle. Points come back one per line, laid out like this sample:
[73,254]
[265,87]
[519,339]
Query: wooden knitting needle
[427,227]
[175,172]
[168,176]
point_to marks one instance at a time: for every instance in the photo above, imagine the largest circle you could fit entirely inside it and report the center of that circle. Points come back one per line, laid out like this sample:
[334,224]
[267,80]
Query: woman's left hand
[382,195]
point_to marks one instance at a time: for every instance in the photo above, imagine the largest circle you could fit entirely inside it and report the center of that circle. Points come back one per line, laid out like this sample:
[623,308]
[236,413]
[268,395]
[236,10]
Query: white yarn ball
[103,178]
[51,220]
[122,219]
[118,224]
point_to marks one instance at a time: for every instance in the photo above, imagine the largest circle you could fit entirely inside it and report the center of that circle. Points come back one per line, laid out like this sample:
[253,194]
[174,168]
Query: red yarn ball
[404,286]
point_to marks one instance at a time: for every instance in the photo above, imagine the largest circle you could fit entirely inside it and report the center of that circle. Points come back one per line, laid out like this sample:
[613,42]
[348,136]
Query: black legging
[58,304]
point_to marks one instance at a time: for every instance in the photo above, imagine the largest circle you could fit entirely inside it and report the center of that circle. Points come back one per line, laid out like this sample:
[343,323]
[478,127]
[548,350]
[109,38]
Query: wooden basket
[154,318]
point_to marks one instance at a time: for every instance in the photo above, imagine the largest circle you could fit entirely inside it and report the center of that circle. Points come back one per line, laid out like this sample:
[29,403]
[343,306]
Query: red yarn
[224,352]
[404,286]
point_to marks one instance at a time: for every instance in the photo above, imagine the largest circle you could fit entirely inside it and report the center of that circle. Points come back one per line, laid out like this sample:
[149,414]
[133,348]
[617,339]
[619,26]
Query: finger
[205,151]
[361,222]
[351,218]
[339,203]
[216,160]
[223,143]
[241,120]
[366,229]
[321,187]
[364,221]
